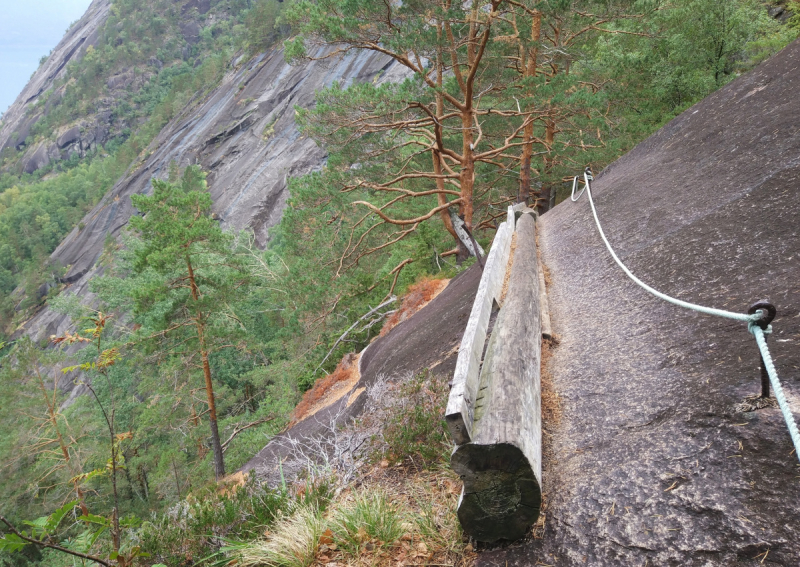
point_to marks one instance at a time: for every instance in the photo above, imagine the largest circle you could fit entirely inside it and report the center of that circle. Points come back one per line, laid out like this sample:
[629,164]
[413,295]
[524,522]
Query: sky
[28,30]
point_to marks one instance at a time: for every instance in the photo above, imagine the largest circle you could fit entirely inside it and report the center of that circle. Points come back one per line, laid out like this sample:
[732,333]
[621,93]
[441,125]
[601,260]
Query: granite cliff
[243,133]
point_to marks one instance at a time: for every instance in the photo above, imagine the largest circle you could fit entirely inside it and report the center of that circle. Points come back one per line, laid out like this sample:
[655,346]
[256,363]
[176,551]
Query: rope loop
[575,186]
[753,325]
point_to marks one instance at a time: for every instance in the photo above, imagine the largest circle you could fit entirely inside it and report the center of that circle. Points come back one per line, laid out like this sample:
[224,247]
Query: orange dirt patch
[230,483]
[329,389]
[417,297]
[507,277]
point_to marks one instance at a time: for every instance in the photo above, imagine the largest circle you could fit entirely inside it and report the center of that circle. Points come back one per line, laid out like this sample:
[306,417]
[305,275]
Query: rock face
[39,158]
[246,137]
[429,339]
[190,32]
[69,137]
[651,464]
[17,122]
[102,120]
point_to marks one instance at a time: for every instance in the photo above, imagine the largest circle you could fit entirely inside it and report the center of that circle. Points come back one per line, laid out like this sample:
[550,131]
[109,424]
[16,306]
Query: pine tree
[183,276]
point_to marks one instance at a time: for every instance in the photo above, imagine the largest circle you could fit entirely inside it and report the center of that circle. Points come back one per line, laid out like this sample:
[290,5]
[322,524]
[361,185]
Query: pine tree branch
[17,533]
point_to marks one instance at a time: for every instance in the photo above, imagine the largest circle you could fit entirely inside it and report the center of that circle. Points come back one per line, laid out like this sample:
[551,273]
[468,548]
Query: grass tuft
[369,521]
[417,431]
[292,543]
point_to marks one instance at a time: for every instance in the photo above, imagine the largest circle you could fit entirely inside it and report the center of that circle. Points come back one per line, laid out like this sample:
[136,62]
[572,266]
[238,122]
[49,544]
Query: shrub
[417,431]
[195,528]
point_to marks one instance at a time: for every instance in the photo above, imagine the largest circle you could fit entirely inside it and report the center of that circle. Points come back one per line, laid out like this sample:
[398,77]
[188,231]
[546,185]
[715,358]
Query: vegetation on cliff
[152,61]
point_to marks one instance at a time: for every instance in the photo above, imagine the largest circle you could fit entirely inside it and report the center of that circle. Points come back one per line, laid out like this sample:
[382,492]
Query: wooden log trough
[494,409]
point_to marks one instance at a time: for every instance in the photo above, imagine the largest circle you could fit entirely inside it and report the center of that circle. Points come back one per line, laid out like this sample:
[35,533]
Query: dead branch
[239,428]
[396,273]
[369,314]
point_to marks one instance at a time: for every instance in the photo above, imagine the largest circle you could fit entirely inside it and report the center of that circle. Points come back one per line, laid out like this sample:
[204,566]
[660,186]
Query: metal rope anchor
[768,313]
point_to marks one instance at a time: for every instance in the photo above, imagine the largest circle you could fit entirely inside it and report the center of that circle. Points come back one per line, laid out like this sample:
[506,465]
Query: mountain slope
[244,133]
[21,116]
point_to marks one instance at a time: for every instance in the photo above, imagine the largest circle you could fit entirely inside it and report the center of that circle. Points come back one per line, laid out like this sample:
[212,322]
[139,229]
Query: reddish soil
[329,389]
[417,297]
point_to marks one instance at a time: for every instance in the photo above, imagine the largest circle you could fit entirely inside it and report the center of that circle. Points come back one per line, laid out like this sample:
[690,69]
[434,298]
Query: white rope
[702,309]
[752,320]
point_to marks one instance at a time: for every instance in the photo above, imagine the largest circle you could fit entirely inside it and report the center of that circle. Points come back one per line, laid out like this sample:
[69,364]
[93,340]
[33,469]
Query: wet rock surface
[651,464]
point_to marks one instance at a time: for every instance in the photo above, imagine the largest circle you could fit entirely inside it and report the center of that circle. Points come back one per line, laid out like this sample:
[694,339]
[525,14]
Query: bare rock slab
[651,464]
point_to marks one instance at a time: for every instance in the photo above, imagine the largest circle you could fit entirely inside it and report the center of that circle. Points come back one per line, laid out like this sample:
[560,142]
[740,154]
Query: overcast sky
[28,30]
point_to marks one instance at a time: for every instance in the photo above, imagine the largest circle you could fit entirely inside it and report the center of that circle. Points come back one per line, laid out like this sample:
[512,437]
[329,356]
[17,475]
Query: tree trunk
[177,481]
[467,177]
[549,139]
[115,531]
[465,238]
[441,198]
[143,482]
[545,199]
[501,465]
[216,445]
[460,403]
[527,149]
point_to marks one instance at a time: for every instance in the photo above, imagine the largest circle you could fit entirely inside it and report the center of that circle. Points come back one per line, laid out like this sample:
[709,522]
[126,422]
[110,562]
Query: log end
[502,496]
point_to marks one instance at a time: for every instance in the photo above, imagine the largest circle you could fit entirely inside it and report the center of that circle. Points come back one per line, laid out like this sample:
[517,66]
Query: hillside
[85,121]
[243,133]
[212,211]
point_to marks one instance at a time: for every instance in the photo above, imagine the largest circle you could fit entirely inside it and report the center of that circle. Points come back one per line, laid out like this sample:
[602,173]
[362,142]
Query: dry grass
[394,518]
[293,542]
[231,483]
[400,510]
[546,270]
[329,389]
[551,419]
[417,297]
[424,505]
[551,403]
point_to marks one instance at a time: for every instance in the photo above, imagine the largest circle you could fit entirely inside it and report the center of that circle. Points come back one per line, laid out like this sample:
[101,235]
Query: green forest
[199,344]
